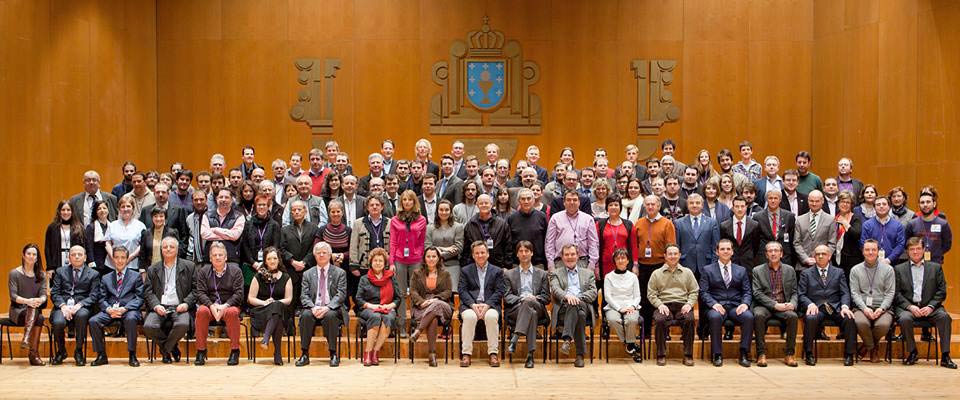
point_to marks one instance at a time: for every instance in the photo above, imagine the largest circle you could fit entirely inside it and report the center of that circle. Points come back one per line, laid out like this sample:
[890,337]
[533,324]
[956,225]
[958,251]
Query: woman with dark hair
[337,233]
[28,298]
[64,232]
[331,187]
[151,238]
[712,207]
[464,211]
[899,208]
[537,189]
[501,205]
[270,295]
[621,293]
[431,292]
[408,233]
[248,193]
[95,238]
[378,298]
[289,192]
[614,233]
[446,235]
[867,196]
[849,228]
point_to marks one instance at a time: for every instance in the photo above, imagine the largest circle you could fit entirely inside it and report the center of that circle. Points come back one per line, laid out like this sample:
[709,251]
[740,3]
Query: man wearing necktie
[323,296]
[82,203]
[697,237]
[120,296]
[824,294]
[725,288]
[813,229]
[744,233]
[73,292]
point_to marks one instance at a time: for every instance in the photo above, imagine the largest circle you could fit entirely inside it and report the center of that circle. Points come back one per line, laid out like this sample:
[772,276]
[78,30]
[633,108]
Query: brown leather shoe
[875,355]
[465,360]
[688,361]
[790,361]
[762,360]
[494,360]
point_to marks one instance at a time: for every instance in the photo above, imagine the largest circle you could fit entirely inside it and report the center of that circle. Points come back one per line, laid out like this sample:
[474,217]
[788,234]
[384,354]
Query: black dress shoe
[167,359]
[101,360]
[848,360]
[234,357]
[58,358]
[133,361]
[512,347]
[303,360]
[744,361]
[667,337]
[946,362]
[277,360]
[911,358]
[728,335]
[175,353]
[717,360]
[334,360]
[201,358]
[822,336]
[810,360]
[925,335]
[529,362]
[79,359]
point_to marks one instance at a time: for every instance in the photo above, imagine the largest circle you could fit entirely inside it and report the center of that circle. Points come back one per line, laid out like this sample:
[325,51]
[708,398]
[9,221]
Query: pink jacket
[412,238]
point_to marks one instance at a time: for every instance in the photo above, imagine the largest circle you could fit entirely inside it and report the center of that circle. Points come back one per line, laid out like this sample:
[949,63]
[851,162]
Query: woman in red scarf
[378,297]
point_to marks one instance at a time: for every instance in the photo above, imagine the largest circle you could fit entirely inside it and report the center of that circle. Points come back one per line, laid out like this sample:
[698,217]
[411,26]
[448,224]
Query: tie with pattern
[823,276]
[774,226]
[726,275]
[813,224]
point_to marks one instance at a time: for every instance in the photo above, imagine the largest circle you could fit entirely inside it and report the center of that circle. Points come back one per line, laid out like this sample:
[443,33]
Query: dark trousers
[716,328]
[331,329]
[167,330]
[130,320]
[761,315]
[811,327]
[525,316]
[941,320]
[574,324]
[663,322]
[79,322]
[646,309]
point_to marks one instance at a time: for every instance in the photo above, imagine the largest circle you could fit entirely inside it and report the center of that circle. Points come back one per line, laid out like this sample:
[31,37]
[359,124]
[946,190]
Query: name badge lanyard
[216,285]
[261,232]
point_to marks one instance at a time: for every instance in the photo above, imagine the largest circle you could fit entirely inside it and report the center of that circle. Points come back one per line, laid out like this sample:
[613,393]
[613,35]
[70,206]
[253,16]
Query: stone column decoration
[309,109]
[654,101]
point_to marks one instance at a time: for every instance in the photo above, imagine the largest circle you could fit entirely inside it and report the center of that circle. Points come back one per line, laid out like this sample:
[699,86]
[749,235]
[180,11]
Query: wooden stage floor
[616,380]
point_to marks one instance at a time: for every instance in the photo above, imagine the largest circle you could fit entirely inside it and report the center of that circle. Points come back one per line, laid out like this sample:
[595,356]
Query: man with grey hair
[219,295]
[217,163]
[316,209]
[82,203]
[323,296]
[168,293]
[375,160]
[813,229]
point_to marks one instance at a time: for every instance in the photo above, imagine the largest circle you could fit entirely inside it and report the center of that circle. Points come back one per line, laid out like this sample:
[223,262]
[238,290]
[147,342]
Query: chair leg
[1,343]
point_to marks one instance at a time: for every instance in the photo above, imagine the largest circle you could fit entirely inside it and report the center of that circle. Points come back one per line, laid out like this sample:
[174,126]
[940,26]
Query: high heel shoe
[433,359]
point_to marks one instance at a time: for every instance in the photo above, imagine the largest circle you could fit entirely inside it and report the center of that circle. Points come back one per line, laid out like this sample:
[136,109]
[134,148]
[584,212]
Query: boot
[366,358]
[34,346]
[375,357]
[28,328]
[433,359]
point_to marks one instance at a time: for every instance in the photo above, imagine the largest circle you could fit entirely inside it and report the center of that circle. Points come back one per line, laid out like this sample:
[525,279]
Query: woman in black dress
[849,227]
[271,293]
[64,232]
[94,236]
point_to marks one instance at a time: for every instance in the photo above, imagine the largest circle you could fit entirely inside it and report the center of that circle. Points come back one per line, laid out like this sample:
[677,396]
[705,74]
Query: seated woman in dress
[28,298]
[431,293]
[378,296]
[271,293]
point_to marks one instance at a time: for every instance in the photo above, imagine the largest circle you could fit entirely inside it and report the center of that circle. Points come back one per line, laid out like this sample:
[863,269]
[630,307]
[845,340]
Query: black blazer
[786,222]
[556,205]
[744,252]
[713,291]
[51,246]
[176,219]
[250,239]
[84,290]
[298,247]
[153,289]
[494,287]
[76,203]
[146,245]
[802,207]
[934,290]
[812,290]
[96,252]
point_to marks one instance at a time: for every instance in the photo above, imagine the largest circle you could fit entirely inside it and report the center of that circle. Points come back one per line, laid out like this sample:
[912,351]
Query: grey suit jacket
[454,190]
[804,243]
[76,203]
[763,290]
[541,286]
[336,290]
[558,289]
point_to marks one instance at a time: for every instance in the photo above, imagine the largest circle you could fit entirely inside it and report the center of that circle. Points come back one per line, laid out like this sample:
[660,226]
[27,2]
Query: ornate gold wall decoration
[485,87]
[309,109]
[654,101]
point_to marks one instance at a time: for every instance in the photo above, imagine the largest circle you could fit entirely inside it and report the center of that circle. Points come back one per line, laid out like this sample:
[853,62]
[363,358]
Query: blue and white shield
[485,83]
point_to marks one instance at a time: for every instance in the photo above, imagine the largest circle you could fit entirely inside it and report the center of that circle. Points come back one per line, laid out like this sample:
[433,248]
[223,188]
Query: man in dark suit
[697,237]
[428,197]
[793,200]
[526,300]
[323,296]
[481,288]
[570,180]
[120,296]
[296,244]
[449,186]
[743,233]
[921,291]
[725,288]
[776,225]
[353,203]
[823,293]
[169,296]
[775,296]
[375,160]
[176,216]
[82,203]
[73,292]
[574,290]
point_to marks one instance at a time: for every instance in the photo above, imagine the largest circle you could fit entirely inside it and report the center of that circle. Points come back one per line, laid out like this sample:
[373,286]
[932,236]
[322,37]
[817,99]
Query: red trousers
[231,317]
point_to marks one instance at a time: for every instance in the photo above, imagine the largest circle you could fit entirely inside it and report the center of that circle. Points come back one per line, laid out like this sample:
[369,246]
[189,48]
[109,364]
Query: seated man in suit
[120,296]
[813,229]
[672,291]
[73,292]
[824,294]
[169,296]
[481,288]
[743,233]
[921,291]
[697,236]
[775,296]
[528,293]
[323,296]
[574,290]
[776,225]
[725,288]
[219,291]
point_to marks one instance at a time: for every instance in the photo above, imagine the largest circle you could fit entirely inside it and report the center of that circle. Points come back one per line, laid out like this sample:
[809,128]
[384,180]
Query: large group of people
[640,246]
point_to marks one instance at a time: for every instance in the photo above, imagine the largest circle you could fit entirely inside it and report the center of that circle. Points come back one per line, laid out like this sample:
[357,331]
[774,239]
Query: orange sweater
[656,236]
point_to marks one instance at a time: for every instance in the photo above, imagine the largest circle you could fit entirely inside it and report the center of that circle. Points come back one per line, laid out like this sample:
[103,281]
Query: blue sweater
[891,236]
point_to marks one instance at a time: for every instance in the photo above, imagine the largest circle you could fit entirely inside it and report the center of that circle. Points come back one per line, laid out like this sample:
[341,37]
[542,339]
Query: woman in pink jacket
[408,231]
